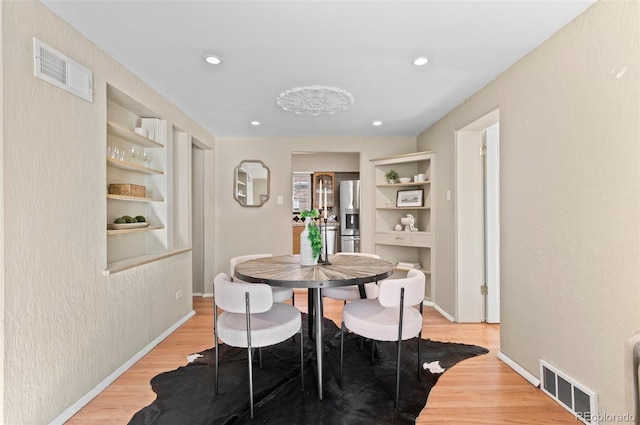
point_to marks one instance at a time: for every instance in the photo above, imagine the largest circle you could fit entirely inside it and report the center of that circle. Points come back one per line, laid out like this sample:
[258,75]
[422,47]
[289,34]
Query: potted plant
[391,176]
[310,239]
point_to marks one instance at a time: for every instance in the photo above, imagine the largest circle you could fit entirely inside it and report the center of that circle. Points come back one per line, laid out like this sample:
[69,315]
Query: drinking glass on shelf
[133,152]
[146,156]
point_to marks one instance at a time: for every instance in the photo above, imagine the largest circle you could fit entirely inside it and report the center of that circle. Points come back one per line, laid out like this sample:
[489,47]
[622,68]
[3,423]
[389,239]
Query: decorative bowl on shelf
[405,179]
[122,226]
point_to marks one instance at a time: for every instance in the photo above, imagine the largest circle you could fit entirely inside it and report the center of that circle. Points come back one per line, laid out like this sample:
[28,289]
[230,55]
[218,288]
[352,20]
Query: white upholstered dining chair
[351,293]
[391,317]
[250,319]
[279,294]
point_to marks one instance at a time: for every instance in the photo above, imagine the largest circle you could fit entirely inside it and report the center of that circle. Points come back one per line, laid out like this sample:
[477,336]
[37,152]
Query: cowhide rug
[185,396]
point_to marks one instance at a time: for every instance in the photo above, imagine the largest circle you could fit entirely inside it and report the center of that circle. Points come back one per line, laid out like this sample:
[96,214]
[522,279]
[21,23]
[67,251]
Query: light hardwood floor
[480,390]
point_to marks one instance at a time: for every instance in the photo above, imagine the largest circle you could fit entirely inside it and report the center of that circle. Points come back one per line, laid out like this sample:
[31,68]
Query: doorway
[342,166]
[197,219]
[477,164]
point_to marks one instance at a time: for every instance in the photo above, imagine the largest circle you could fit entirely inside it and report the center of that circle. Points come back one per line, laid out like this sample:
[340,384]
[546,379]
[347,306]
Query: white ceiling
[363,47]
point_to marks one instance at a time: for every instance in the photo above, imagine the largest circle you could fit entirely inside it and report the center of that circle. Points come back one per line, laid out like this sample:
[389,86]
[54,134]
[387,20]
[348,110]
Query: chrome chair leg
[341,352]
[215,336]
[373,351]
[250,359]
[301,359]
[398,374]
[401,316]
[419,356]
[419,345]
[250,382]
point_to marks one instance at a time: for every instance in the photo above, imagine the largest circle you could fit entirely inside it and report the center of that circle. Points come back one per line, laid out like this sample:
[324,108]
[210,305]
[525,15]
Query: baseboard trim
[533,380]
[444,313]
[75,407]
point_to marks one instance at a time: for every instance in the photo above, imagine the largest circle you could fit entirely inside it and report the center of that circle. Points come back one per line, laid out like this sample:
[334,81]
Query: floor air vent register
[574,397]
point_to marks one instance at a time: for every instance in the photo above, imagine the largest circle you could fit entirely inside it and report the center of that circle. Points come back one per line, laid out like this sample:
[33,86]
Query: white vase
[306,252]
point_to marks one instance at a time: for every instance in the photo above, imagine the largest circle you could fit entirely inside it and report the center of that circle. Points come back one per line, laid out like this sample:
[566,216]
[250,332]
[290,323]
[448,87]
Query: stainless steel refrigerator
[350,216]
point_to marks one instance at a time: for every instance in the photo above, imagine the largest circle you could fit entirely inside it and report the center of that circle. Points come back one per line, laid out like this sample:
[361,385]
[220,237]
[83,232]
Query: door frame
[470,220]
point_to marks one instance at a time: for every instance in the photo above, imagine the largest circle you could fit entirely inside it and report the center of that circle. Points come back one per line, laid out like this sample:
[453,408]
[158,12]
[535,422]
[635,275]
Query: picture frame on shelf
[410,198]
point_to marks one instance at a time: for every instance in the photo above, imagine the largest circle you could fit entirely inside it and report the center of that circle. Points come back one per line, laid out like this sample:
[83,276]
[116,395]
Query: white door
[470,259]
[492,214]
[477,221]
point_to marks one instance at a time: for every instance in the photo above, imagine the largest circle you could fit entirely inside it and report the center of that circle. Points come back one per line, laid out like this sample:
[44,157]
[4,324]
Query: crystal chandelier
[314,100]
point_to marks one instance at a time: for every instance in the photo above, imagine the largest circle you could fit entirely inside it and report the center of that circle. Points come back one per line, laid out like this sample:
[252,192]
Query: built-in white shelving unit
[406,246]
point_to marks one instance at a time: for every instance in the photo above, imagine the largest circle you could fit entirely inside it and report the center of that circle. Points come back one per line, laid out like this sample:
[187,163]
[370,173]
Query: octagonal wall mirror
[251,183]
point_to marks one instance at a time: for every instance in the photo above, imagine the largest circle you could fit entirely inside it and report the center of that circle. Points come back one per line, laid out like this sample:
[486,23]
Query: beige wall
[242,231]
[570,183]
[570,199]
[2,250]
[67,326]
[327,161]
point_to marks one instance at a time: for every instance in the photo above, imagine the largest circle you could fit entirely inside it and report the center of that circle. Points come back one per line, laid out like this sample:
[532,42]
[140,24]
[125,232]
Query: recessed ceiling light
[377,123]
[255,123]
[213,60]
[420,61]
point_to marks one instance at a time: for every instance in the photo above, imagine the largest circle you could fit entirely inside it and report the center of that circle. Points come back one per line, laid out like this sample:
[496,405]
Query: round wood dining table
[286,271]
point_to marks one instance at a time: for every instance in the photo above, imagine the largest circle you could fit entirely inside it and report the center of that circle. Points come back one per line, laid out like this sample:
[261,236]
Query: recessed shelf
[133,198]
[129,166]
[131,136]
[404,269]
[138,230]
[403,208]
[129,263]
[404,184]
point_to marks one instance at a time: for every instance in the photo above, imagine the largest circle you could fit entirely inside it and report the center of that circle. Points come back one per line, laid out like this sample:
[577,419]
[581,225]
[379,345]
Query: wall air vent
[577,399]
[61,71]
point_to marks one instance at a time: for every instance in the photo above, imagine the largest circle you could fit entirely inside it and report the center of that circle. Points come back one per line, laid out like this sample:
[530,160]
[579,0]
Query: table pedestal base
[319,315]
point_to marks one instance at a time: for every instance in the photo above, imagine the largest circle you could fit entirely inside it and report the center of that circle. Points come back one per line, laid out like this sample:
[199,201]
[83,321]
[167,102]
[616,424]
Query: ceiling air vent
[59,70]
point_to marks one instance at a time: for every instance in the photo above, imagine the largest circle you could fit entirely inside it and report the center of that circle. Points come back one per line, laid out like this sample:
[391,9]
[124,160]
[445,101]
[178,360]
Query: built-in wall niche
[143,220]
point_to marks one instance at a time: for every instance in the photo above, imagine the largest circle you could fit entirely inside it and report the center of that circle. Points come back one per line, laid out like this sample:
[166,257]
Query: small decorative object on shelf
[128,222]
[141,131]
[391,176]
[146,155]
[408,265]
[409,223]
[310,239]
[127,189]
[409,198]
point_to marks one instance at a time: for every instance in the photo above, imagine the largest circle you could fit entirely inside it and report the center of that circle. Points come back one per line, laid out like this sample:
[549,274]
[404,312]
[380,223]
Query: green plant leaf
[316,239]
[310,213]
[391,175]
